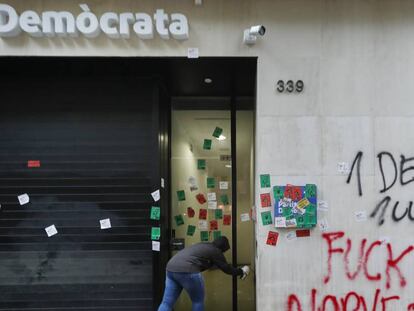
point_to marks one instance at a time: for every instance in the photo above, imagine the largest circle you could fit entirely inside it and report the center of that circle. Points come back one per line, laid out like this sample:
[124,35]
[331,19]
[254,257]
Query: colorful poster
[295,206]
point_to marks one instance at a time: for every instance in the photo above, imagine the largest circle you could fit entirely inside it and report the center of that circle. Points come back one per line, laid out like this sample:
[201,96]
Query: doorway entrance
[212,182]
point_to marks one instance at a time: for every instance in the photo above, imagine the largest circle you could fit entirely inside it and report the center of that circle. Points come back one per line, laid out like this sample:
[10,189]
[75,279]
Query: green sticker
[211,182]
[155,213]
[310,190]
[190,230]
[155,233]
[217,132]
[207,144]
[218,213]
[225,199]
[265,181]
[267,218]
[181,195]
[179,220]
[201,164]
[278,192]
[204,236]
[216,234]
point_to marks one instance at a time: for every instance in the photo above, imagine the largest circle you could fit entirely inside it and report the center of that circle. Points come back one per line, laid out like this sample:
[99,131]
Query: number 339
[289,86]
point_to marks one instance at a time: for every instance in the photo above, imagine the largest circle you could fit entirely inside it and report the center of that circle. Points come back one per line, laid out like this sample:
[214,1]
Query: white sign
[105,223]
[156,246]
[113,25]
[280,222]
[51,231]
[23,199]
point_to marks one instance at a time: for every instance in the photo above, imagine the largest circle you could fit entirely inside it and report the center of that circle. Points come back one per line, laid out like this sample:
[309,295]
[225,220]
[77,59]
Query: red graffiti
[352,301]
[363,259]
[410,307]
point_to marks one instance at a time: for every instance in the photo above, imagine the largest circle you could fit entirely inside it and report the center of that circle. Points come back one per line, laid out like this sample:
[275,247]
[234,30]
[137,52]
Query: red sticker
[213,225]
[200,198]
[227,220]
[190,212]
[265,200]
[272,238]
[302,233]
[33,163]
[202,214]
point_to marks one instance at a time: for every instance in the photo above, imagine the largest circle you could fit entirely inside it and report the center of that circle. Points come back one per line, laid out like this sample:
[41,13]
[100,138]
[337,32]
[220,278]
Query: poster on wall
[295,206]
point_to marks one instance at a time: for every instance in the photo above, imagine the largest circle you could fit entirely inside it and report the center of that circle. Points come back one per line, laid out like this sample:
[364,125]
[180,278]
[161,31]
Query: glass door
[201,192]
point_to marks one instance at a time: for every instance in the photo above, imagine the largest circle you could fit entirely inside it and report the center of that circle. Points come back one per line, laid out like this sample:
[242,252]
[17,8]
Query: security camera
[257,30]
[250,34]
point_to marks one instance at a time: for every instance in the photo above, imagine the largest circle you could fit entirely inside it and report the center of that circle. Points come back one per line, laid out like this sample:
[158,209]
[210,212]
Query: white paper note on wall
[192,53]
[23,199]
[211,196]
[291,236]
[245,217]
[156,246]
[323,206]
[156,195]
[105,223]
[361,216]
[212,205]
[202,225]
[323,225]
[224,185]
[51,231]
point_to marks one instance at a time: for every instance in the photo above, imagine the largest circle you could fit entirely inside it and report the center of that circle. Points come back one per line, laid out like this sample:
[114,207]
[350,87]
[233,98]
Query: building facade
[323,98]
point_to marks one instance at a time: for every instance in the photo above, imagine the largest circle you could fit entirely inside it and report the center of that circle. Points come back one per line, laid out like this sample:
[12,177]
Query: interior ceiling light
[228,165]
[208,80]
[221,137]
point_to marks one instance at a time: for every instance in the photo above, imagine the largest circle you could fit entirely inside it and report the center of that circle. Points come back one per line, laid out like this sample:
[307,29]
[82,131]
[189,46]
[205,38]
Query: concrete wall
[356,59]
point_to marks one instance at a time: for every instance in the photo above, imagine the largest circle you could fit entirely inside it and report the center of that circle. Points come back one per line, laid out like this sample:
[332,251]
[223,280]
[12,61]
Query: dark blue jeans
[193,283]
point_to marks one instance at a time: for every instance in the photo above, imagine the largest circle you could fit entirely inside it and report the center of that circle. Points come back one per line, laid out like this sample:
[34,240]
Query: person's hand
[246,271]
